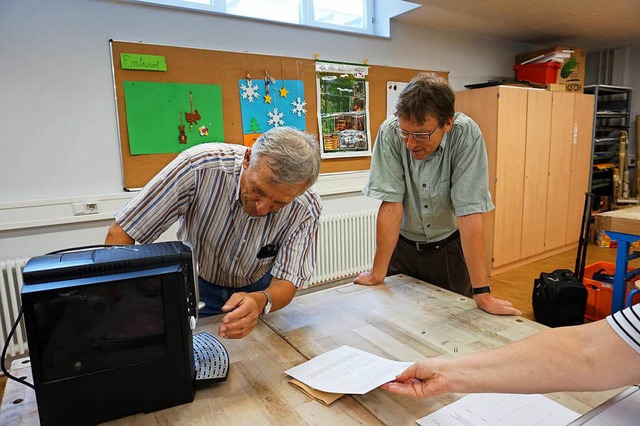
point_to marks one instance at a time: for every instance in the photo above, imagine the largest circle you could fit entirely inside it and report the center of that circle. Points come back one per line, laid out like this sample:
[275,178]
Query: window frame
[306,14]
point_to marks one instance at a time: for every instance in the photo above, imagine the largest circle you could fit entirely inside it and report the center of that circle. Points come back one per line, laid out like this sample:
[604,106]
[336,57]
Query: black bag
[559,299]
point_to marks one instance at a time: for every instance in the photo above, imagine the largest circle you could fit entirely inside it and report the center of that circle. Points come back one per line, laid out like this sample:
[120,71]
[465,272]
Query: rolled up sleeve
[470,178]
[386,176]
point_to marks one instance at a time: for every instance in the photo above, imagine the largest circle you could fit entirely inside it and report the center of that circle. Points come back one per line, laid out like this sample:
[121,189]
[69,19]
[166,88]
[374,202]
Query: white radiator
[346,245]
[10,286]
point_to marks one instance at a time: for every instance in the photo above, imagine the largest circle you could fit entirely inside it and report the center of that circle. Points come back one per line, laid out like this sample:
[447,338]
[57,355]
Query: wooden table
[18,401]
[256,392]
[623,226]
[405,319]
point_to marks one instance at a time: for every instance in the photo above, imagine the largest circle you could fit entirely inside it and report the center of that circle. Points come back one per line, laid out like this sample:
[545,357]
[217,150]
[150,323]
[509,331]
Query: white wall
[57,115]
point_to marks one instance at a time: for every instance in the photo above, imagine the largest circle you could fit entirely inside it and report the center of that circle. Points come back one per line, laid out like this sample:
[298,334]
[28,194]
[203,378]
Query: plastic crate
[600,294]
[543,73]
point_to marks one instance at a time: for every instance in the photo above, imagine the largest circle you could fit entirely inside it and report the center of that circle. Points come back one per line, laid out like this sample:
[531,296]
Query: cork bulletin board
[191,66]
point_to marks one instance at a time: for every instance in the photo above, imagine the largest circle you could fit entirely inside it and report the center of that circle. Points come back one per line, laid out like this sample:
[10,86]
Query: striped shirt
[627,324]
[200,189]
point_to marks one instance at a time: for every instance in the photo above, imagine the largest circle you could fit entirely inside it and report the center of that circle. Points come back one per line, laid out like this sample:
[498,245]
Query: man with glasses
[429,168]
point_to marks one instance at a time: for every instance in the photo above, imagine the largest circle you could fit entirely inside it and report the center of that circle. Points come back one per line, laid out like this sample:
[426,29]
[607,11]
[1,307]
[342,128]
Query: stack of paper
[347,370]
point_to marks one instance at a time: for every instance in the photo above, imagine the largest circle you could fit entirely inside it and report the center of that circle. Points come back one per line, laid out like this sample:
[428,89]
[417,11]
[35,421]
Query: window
[342,13]
[360,16]
[288,11]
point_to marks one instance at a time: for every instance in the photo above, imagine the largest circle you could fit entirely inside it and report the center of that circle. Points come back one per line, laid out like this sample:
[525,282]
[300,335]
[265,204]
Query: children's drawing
[258,117]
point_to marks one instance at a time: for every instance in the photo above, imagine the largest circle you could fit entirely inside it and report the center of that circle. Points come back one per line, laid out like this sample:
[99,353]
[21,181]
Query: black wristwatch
[480,290]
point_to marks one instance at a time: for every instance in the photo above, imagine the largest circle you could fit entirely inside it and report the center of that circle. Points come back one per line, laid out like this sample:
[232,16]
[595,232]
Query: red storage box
[543,73]
[600,294]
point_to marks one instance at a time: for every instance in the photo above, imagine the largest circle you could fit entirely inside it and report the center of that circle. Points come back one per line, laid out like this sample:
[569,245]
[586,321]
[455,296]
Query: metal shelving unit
[611,116]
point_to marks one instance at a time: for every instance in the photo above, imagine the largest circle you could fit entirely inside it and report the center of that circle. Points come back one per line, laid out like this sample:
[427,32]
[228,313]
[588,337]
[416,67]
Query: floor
[517,285]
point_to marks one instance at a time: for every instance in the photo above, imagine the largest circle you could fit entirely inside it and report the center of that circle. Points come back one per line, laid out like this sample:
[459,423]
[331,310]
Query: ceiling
[591,24]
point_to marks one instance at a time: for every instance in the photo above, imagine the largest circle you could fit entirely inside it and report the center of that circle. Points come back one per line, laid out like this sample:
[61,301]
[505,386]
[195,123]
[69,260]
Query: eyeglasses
[420,137]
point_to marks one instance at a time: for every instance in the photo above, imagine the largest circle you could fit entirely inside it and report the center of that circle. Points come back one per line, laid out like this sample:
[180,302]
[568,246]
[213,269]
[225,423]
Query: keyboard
[211,358]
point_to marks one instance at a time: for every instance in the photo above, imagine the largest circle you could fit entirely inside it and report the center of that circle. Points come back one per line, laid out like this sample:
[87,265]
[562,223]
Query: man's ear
[447,127]
[246,159]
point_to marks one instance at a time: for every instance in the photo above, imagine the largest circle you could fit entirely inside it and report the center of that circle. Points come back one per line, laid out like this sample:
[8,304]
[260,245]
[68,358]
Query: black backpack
[559,299]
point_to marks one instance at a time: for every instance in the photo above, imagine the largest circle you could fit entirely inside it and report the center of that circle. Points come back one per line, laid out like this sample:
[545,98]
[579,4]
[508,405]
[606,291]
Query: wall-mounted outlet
[87,207]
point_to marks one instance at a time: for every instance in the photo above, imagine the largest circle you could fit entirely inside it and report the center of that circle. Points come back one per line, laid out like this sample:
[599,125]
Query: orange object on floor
[600,294]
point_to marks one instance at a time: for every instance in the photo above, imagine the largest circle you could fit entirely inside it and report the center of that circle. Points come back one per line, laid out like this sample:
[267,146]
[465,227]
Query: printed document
[347,370]
[484,409]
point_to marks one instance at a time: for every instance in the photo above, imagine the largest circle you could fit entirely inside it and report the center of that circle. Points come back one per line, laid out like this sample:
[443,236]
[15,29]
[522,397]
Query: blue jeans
[215,296]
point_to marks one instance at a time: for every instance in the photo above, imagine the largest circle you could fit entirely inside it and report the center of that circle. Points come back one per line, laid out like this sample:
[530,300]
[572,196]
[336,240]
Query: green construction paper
[154,110]
[134,61]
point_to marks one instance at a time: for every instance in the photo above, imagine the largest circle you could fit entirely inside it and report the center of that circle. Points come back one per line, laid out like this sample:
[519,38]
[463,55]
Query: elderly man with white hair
[250,215]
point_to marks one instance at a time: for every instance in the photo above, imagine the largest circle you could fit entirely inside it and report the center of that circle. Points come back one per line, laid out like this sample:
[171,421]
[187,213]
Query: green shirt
[453,181]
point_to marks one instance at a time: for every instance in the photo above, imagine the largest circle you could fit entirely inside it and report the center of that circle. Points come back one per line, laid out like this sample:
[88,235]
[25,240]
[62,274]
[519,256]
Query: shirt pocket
[443,191]
[250,268]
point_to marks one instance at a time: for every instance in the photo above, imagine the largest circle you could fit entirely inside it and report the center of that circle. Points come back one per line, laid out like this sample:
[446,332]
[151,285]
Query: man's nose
[264,207]
[412,142]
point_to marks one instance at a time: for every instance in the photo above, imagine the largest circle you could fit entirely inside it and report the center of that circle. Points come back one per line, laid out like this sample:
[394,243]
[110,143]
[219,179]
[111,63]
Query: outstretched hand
[367,278]
[243,311]
[494,306]
[420,380]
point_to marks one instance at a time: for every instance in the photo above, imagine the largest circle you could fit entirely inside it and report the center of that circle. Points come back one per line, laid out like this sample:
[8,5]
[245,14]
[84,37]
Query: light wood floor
[517,285]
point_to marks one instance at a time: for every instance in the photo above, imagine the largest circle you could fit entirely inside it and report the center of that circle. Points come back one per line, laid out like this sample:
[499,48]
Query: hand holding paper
[347,370]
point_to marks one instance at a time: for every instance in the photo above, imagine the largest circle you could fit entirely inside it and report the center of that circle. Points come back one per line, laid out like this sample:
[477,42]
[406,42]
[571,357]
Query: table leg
[622,261]
[619,284]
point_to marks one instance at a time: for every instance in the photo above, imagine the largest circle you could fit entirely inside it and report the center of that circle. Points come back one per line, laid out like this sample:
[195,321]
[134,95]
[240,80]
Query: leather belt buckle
[425,246]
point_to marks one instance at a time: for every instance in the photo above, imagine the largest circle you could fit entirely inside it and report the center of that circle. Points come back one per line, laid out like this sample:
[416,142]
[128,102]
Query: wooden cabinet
[539,149]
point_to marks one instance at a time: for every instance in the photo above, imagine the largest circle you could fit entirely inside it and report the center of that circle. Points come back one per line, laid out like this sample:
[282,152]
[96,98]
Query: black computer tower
[109,331]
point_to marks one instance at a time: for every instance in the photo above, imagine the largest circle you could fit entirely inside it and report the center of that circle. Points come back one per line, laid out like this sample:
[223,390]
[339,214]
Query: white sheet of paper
[501,409]
[347,370]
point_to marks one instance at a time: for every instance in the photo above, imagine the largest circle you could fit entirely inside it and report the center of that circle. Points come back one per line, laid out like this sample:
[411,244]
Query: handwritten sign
[133,61]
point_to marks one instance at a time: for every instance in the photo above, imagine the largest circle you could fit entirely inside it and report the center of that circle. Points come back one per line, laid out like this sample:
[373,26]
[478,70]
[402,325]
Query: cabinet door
[512,119]
[562,113]
[482,106]
[580,164]
[536,172]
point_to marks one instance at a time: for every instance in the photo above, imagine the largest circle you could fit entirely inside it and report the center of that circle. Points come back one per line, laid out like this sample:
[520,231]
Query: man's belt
[436,245]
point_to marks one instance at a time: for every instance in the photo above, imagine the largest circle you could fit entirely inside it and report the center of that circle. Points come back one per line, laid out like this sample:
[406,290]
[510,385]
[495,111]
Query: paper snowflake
[276,118]
[250,91]
[298,107]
